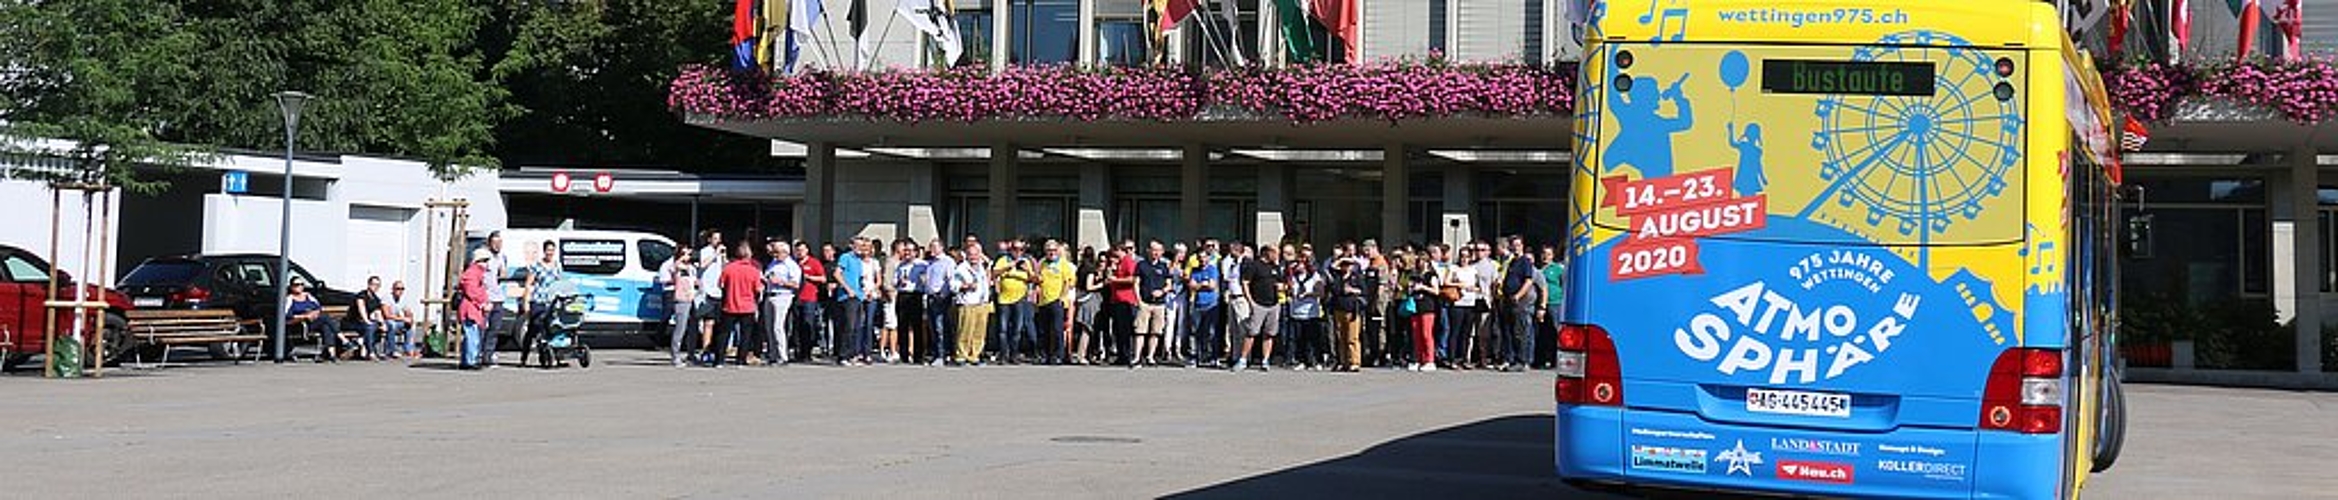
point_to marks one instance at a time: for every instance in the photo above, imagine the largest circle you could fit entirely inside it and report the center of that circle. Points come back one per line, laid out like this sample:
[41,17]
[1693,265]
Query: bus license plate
[146,302]
[1816,404]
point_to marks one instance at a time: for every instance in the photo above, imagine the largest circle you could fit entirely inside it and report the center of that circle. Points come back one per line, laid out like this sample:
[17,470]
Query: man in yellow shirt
[1015,273]
[1056,277]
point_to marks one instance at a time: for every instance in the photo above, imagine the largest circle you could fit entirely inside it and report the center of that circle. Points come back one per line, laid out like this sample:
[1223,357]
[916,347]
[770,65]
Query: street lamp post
[289,102]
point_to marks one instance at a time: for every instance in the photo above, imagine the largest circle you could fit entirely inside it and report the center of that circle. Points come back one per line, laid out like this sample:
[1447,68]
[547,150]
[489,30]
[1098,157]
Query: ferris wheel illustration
[1919,163]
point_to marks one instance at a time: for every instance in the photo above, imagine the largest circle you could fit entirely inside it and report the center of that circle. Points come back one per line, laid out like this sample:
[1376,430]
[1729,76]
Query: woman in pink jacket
[473,309]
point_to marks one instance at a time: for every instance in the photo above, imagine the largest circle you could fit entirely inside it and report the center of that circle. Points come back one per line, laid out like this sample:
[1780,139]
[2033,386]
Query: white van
[618,269]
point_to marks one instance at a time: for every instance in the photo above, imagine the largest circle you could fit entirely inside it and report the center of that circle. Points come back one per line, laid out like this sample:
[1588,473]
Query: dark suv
[24,293]
[244,283]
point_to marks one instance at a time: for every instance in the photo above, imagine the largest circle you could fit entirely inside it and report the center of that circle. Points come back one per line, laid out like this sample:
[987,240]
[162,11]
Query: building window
[2209,237]
[1043,31]
[1120,42]
[974,36]
[1219,43]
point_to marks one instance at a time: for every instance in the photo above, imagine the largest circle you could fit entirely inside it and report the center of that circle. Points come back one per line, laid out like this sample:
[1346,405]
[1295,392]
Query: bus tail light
[1588,373]
[2025,392]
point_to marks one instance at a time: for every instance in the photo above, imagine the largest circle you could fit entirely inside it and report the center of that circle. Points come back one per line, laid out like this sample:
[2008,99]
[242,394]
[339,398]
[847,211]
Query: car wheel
[117,337]
[9,362]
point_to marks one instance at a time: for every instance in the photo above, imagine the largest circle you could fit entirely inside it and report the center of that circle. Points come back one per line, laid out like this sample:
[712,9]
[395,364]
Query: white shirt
[972,279]
[784,276]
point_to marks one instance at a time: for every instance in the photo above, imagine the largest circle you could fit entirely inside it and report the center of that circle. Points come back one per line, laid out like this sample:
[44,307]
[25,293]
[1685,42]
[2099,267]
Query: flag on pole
[1232,13]
[1298,42]
[856,19]
[1339,17]
[1173,12]
[742,21]
[803,15]
[2291,20]
[934,19]
[2122,14]
[2133,135]
[772,44]
[743,40]
[2249,12]
[2179,27]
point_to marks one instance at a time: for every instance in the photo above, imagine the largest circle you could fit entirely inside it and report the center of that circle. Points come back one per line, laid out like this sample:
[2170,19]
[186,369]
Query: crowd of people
[751,301]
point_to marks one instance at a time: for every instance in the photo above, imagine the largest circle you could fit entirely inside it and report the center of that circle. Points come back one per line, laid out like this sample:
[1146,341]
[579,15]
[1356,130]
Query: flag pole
[830,22]
[1209,37]
[881,36]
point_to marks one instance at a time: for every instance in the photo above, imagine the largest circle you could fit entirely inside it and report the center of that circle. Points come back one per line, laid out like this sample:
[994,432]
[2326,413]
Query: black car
[244,283]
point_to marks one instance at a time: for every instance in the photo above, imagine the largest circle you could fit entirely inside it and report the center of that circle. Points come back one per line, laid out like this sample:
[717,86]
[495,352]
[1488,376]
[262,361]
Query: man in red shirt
[807,310]
[742,284]
[1121,290]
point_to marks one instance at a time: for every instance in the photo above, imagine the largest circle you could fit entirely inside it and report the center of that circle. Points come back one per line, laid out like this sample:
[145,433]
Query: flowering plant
[2303,91]
[1302,94]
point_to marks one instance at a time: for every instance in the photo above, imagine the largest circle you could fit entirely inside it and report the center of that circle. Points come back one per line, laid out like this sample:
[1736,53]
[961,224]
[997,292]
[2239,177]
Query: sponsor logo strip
[1668,459]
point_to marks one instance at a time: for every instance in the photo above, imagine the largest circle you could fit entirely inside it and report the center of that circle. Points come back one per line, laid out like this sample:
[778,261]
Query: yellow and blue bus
[1839,248]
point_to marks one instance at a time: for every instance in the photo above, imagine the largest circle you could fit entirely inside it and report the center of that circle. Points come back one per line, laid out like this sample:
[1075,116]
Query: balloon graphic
[1733,69]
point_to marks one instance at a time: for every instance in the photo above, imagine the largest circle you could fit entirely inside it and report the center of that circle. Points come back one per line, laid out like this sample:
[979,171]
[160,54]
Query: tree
[78,73]
[591,78]
[391,77]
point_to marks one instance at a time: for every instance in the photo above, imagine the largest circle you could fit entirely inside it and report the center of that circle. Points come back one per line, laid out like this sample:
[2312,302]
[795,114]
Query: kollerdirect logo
[1668,459]
[1817,472]
[1929,470]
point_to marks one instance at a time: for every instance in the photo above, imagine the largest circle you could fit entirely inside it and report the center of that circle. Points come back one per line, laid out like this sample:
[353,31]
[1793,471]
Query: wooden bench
[164,329]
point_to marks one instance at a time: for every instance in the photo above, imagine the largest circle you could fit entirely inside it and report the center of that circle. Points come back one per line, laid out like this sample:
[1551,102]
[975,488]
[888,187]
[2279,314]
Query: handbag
[1406,307]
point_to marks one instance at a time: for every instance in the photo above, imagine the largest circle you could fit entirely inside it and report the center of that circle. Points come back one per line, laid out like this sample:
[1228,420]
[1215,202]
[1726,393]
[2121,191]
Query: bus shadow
[1504,457]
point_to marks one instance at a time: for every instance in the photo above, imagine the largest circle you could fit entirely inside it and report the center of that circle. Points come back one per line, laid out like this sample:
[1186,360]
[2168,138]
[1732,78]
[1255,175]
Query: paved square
[636,428]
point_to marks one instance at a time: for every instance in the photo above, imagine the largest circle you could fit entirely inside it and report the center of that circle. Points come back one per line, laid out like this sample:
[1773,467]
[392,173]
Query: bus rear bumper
[1668,450]
[2019,466]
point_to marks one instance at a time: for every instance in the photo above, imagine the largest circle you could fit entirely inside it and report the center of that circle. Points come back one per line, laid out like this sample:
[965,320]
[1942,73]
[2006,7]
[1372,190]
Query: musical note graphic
[2043,260]
[1664,20]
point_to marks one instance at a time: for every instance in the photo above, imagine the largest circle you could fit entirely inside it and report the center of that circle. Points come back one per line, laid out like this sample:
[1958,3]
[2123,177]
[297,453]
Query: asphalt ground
[634,427]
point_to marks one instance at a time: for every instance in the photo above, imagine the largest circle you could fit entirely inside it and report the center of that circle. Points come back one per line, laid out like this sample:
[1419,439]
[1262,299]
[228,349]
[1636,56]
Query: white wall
[25,208]
[249,224]
[374,222]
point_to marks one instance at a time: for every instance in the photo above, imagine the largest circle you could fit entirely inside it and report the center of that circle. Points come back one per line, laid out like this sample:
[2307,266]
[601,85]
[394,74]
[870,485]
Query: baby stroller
[557,339]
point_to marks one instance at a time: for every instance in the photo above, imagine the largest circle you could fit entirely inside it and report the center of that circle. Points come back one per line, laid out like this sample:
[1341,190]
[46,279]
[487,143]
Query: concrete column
[1460,202]
[816,221]
[922,223]
[1274,203]
[1095,197]
[1003,173]
[1396,188]
[1001,15]
[1087,55]
[2304,249]
[1193,189]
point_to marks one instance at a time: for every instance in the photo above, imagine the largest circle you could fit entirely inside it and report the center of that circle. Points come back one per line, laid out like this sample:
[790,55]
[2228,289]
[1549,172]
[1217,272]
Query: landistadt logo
[1815,446]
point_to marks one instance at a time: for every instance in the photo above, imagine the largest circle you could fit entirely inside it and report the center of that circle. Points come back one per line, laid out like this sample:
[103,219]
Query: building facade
[2229,204]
